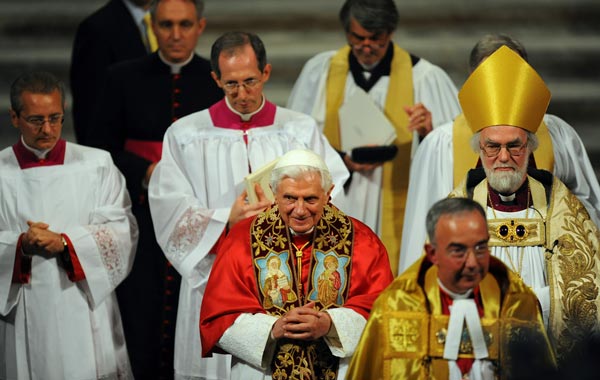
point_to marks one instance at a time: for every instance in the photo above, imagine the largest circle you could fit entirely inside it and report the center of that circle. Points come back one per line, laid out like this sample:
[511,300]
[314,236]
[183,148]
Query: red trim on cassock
[73,266]
[22,266]
[223,117]
[26,158]
[149,150]
[232,288]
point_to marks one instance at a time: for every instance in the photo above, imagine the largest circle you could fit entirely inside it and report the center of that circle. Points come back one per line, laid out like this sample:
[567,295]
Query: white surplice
[432,87]
[53,328]
[431,179]
[191,192]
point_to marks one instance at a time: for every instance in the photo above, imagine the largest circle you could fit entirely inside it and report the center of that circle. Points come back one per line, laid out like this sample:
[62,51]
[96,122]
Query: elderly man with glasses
[196,189]
[538,228]
[67,241]
[412,93]
[443,159]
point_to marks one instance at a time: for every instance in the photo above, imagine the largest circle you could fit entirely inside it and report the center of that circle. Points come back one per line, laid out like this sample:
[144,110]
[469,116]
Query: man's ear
[13,118]
[201,25]
[430,252]
[215,78]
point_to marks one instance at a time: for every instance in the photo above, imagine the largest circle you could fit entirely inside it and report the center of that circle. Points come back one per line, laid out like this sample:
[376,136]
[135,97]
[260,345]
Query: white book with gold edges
[261,176]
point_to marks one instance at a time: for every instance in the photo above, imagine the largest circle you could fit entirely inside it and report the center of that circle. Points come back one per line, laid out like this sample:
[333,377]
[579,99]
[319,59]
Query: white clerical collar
[245,116]
[137,12]
[40,154]
[507,198]
[294,233]
[453,295]
[175,67]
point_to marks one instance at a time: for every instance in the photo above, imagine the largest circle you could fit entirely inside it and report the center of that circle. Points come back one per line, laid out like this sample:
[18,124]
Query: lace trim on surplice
[187,234]
[109,251]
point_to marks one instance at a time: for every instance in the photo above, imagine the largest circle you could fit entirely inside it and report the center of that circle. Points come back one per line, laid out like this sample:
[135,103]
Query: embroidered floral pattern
[109,252]
[579,282]
[188,232]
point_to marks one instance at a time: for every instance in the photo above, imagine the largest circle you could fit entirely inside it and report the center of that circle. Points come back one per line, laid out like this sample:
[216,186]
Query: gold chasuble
[395,173]
[278,267]
[405,336]
[570,243]
[465,158]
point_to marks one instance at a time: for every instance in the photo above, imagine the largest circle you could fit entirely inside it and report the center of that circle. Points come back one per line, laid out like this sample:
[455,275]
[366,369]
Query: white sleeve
[431,179]
[9,292]
[186,229]
[572,165]
[106,246]
[308,92]
[434,88]
[247,338]
[349,326]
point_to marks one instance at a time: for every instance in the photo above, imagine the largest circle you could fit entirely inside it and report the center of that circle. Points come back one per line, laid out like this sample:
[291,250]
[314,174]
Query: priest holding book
[196,191]
[411,92]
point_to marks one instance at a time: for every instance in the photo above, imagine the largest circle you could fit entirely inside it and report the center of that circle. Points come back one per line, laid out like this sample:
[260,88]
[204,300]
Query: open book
[362,123]
[261,176]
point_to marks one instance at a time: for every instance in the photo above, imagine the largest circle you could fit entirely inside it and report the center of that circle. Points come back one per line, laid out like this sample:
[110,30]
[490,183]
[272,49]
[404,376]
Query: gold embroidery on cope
[579,285]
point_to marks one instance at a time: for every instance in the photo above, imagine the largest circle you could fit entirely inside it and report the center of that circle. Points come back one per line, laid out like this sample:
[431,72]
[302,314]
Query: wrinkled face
[301,201]
[505,172]
[241,79]
[368,47]
[40,121]
[177,29]
[461,250]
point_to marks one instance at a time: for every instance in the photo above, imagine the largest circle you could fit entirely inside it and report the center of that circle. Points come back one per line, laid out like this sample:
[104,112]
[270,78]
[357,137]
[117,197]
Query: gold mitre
[504,90]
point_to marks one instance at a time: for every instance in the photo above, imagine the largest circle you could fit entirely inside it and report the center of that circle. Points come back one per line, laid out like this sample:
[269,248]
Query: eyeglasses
[460,252]
[39,122]
[233,87]
[376,41]
[493,150]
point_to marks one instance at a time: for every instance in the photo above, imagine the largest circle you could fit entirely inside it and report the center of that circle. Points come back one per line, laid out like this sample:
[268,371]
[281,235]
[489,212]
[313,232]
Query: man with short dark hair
[140,100]
[196,193]
[457,313]
[302,317]
[68,239]
[413,94]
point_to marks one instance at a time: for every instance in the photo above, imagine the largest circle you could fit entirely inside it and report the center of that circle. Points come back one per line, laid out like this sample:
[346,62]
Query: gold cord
[299,266]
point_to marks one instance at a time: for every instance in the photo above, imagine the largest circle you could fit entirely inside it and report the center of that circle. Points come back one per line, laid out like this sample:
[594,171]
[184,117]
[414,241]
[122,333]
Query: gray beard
[506,182]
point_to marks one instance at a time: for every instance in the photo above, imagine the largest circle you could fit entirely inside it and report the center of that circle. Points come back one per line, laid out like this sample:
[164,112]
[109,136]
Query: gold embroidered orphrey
[300,360]
[572,243]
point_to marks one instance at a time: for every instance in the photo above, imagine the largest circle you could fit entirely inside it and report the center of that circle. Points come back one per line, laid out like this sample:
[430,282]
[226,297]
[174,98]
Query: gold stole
[465,158]
[270,241]
[395,173]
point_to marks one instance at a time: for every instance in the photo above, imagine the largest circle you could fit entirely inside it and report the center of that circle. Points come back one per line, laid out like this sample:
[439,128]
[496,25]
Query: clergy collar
[40,154]
[175,67]
[294,233]
[453,295]
[245,116]
[29,157]
[223,116]
[376,71]
[517,201]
